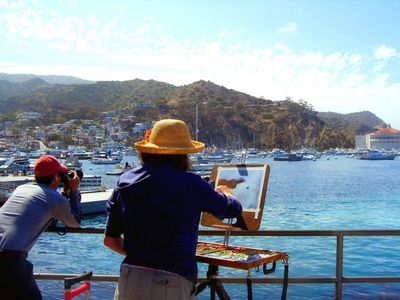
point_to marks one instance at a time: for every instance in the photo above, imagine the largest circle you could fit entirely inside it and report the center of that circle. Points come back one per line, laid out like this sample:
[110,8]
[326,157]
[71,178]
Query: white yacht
[377,155]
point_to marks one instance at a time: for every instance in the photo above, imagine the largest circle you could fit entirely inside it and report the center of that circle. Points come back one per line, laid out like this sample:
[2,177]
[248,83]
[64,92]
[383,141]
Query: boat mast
[197,121]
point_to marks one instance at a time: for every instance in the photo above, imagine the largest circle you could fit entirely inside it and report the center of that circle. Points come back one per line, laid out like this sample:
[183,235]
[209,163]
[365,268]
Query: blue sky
[341,56]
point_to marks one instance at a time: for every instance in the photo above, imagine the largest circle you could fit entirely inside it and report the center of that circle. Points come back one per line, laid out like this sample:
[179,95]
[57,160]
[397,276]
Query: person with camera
[154,214]
[26,214]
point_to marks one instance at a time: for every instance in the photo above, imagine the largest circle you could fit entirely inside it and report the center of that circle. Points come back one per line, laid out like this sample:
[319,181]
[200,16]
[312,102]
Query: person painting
[157,208]
[23,218]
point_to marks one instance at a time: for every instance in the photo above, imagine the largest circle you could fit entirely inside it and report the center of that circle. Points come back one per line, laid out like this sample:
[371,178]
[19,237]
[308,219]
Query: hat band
[145,147]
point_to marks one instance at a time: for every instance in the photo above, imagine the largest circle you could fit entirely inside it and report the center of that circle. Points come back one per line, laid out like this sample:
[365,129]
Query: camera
[70,175]
[66,176]
[79,172]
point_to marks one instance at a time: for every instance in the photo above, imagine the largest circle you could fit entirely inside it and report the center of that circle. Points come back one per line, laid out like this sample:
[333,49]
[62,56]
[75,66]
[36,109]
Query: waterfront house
[384,138]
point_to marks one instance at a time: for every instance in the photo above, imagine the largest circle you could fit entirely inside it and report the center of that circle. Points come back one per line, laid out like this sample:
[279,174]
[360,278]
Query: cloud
[289,28]
[11,4]
[385,52]
[223,33]
[94,49]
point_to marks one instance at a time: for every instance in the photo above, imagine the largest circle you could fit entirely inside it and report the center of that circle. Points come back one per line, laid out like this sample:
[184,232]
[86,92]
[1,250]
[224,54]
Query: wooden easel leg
[214,283]
[221,292]
[212,289]
[201,286]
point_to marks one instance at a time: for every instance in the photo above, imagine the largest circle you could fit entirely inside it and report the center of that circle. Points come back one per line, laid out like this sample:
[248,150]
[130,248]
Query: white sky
[340,56]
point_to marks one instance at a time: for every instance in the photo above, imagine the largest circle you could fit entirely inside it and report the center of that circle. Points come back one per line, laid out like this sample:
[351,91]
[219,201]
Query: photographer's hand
[73,183]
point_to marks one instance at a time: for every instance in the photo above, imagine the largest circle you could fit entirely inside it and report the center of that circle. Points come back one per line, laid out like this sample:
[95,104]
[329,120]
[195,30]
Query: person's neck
[53,185]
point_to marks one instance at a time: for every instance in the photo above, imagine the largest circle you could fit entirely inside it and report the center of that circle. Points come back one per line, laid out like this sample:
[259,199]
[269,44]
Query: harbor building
[385,138]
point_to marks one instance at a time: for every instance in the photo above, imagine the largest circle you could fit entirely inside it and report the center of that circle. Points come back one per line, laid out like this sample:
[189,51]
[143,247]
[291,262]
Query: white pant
[150,284]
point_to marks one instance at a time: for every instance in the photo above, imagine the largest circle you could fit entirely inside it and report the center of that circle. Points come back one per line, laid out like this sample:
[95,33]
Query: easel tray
[236,256]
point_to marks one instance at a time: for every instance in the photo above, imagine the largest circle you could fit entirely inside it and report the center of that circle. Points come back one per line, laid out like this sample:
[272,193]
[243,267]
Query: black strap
[61,230]
[53,227]
[285,281]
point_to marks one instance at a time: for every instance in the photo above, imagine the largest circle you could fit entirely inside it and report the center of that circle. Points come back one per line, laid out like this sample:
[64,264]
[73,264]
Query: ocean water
[339,193]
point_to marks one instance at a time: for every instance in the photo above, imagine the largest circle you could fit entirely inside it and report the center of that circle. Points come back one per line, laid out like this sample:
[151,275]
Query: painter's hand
[231,183]
[224,189]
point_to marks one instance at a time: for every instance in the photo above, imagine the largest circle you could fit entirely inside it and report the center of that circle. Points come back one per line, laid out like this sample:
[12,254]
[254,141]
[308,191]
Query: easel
[212,274]
[244,258]
[262,258]
[216,286]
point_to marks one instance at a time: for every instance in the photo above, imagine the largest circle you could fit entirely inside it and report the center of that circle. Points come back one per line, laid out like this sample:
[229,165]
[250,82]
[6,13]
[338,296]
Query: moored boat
[288,157]
[377,155]
[14,166]
[202,169]
[119,170]
[72,162]
[94,202]
[106,160]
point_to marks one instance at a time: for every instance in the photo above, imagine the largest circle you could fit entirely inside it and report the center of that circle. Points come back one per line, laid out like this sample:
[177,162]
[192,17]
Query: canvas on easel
[249,185]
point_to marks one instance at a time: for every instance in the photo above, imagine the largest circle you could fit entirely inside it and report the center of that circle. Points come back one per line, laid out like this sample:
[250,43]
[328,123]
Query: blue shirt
[157,208]
[28,212]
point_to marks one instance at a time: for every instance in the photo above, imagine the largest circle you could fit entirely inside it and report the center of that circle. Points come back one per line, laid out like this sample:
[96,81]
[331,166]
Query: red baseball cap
[48,165]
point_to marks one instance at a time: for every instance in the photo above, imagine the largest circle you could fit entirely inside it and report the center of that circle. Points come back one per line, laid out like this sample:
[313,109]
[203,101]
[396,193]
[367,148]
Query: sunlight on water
[323,194]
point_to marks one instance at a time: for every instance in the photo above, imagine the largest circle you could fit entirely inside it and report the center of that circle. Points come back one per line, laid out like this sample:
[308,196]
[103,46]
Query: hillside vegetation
[52,79]
[227,118]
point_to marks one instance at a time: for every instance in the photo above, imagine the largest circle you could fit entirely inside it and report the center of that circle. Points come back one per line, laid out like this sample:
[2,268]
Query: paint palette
[236,256]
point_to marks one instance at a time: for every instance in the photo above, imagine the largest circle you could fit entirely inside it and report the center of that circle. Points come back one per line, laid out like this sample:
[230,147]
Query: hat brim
[146,147]
[63,169]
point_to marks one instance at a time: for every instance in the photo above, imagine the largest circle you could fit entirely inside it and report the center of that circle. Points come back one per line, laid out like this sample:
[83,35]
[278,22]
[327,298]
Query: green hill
[227,118]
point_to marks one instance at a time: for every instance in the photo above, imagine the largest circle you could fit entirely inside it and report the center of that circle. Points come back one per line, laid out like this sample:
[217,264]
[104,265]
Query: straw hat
[169,137]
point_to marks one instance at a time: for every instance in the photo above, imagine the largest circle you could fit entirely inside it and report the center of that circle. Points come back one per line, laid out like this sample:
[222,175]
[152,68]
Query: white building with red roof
[384,138]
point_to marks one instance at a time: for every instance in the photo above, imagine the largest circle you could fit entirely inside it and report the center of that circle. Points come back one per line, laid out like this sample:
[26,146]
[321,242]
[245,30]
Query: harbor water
[334,193]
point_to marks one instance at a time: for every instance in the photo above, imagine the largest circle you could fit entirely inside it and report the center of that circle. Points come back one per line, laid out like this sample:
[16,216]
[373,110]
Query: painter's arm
[114,227]
[219,202]
[115,243]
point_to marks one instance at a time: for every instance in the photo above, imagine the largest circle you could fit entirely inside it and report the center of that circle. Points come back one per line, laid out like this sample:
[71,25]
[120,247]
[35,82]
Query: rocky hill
[353,123]
[10,89]
[51,79]
[226,118]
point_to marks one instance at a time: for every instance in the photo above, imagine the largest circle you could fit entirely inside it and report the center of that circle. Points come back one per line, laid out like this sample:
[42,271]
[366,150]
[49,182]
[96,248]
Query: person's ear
[55,176]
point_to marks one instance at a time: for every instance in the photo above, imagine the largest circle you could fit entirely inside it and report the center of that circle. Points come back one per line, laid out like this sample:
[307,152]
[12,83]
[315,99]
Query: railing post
[339,266]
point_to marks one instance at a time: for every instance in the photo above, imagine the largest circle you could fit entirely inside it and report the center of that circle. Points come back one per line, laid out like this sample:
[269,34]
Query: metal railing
[338,279]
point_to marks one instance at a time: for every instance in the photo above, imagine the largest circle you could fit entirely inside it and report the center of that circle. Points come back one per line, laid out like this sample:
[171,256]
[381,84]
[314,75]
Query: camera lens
[64,178]
[79,172]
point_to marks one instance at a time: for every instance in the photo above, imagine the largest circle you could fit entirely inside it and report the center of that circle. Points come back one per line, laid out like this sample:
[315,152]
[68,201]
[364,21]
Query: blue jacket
[157,208]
